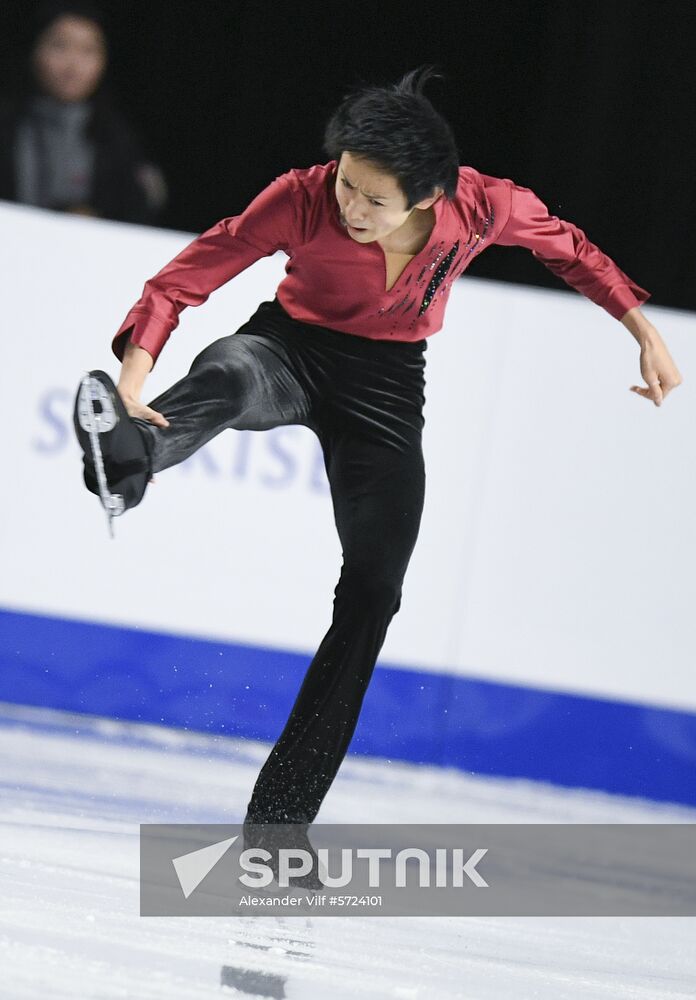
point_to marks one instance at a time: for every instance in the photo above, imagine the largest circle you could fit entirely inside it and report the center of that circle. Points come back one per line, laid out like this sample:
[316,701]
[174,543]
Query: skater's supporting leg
[378,495]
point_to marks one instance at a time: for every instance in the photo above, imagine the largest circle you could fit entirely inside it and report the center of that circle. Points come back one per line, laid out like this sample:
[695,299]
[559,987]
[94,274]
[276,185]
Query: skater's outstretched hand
[658,370]
[656,365]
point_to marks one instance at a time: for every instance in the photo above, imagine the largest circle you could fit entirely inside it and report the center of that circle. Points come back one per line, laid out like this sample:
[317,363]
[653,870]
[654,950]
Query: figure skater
[374,239]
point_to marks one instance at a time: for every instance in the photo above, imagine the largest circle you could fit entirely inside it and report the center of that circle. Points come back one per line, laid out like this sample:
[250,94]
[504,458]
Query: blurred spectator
[63,144]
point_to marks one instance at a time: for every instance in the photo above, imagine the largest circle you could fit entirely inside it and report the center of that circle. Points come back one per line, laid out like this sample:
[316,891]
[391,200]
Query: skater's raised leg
[246,381]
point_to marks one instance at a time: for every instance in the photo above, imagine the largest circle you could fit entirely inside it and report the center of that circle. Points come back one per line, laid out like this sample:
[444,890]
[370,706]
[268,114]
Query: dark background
[590,104]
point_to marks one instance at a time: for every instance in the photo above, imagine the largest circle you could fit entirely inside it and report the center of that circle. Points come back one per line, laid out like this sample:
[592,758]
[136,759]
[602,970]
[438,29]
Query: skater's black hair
[398,129]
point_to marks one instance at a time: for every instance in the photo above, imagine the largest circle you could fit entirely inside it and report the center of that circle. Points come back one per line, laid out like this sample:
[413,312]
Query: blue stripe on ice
[247,691]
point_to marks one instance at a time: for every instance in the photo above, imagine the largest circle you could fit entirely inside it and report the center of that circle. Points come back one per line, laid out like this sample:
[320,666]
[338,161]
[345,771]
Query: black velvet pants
[364,400]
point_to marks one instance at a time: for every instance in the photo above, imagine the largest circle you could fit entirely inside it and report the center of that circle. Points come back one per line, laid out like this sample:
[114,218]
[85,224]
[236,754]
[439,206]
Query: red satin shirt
[333,281]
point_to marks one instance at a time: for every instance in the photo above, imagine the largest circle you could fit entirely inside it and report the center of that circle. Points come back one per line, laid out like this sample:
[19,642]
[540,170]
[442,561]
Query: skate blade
[96,415]
[95,408]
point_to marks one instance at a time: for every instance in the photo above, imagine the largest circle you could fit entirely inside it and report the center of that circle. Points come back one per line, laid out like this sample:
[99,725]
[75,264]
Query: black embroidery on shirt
[450,267]
[456,264]
[437,278]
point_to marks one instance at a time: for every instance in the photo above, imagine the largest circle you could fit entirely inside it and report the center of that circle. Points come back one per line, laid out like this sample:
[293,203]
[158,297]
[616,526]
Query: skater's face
[371,202]
[69,58]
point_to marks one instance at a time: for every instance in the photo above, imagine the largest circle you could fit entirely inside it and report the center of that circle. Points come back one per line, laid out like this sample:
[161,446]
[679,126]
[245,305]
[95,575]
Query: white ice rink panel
[533,566]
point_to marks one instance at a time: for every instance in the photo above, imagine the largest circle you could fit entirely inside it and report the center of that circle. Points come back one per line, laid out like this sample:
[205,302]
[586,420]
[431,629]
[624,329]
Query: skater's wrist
[640,327]
[130,385]
[128,395]
[137,359]
[137,363]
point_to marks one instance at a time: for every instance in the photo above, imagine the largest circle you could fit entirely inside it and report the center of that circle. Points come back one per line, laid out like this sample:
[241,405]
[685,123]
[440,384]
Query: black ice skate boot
[116,462]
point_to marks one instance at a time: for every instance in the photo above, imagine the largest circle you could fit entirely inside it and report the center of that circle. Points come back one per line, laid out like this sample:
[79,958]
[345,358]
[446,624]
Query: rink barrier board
[477,726]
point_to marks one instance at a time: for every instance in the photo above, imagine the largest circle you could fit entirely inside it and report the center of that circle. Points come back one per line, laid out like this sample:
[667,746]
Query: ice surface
[76,789]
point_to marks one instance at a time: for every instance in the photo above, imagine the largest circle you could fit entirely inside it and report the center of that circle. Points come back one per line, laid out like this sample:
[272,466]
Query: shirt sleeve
[567,252]
[268,224]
